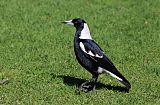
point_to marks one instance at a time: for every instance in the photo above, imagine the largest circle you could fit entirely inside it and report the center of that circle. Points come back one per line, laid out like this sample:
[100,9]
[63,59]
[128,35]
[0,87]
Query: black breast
[83,58]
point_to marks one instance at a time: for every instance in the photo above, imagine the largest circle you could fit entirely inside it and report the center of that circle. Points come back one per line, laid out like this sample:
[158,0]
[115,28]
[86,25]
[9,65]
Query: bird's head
[81,26]
[77,22]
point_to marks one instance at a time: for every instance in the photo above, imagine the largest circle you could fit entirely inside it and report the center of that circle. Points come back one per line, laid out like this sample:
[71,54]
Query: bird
[91,56]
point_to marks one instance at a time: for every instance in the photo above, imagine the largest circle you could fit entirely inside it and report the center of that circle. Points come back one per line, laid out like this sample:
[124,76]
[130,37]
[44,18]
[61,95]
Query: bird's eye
[75,22]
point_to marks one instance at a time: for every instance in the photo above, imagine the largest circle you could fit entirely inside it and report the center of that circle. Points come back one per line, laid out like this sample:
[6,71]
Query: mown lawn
[37,62]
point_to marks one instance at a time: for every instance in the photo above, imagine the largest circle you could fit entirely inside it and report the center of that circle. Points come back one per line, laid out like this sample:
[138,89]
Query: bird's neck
[83,32]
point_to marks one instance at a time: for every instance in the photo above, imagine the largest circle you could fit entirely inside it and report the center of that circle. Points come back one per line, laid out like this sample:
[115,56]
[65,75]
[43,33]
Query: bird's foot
[85,88]
[88,85]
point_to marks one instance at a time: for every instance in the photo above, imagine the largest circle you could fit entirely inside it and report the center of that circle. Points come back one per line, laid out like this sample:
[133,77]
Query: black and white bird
[91,56]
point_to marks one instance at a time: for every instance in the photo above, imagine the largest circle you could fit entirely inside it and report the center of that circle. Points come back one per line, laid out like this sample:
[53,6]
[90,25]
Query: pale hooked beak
[69,22]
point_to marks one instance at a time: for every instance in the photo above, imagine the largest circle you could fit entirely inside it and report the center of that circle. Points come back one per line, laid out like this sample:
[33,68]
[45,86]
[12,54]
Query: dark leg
[89,87]
[94,83]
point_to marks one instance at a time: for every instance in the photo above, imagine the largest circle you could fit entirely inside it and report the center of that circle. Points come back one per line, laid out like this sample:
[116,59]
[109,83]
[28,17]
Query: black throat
[79,28]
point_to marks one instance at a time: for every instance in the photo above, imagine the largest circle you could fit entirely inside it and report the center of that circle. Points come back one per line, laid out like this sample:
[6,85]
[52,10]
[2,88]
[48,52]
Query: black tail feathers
[126,83]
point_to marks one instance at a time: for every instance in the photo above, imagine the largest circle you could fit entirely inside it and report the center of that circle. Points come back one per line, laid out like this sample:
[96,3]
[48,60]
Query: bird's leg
[90,86]
[91,83]
[94,82]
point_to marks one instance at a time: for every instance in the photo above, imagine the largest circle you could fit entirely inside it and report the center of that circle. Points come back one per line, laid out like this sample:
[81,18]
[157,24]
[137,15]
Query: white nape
[85,33]
[101,70]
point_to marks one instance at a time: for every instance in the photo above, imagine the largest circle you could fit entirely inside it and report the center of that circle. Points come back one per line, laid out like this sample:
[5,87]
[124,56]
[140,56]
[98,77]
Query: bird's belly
[86,62]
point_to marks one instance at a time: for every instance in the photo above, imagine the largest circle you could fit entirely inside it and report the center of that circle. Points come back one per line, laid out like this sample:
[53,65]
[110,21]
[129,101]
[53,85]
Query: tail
[126,83]
[116,74]
[109,67]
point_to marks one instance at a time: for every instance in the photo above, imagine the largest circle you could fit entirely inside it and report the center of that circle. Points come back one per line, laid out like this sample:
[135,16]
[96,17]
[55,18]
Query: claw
[87,86]
[77,91]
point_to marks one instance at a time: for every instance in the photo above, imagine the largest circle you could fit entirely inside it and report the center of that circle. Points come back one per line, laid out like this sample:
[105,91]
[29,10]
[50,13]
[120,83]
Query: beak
[69,22]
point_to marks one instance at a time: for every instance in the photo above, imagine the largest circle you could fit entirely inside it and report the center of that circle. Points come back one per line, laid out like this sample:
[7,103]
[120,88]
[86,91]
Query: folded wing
[93,51]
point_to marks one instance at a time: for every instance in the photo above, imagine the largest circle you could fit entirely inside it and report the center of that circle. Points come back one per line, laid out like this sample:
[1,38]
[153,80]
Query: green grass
[36,51]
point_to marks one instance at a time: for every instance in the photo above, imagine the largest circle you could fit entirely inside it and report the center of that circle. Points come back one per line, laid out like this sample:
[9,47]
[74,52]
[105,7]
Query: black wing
[92,49]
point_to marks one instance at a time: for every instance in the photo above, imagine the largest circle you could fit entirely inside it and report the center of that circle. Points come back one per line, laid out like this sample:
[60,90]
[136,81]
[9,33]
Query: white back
[85,33]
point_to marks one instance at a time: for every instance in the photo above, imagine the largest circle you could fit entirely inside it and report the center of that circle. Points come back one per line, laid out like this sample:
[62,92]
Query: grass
[37,59]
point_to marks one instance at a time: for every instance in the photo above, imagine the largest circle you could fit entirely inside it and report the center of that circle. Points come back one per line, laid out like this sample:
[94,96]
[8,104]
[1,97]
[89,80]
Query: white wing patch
[101,70]
[82,47]
[90,52]
[98,56]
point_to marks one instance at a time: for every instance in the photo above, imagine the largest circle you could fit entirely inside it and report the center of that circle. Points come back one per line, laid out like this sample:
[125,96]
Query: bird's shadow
[70,81]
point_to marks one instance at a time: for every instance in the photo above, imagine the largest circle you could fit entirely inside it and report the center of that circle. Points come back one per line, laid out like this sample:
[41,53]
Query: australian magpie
[91,56]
